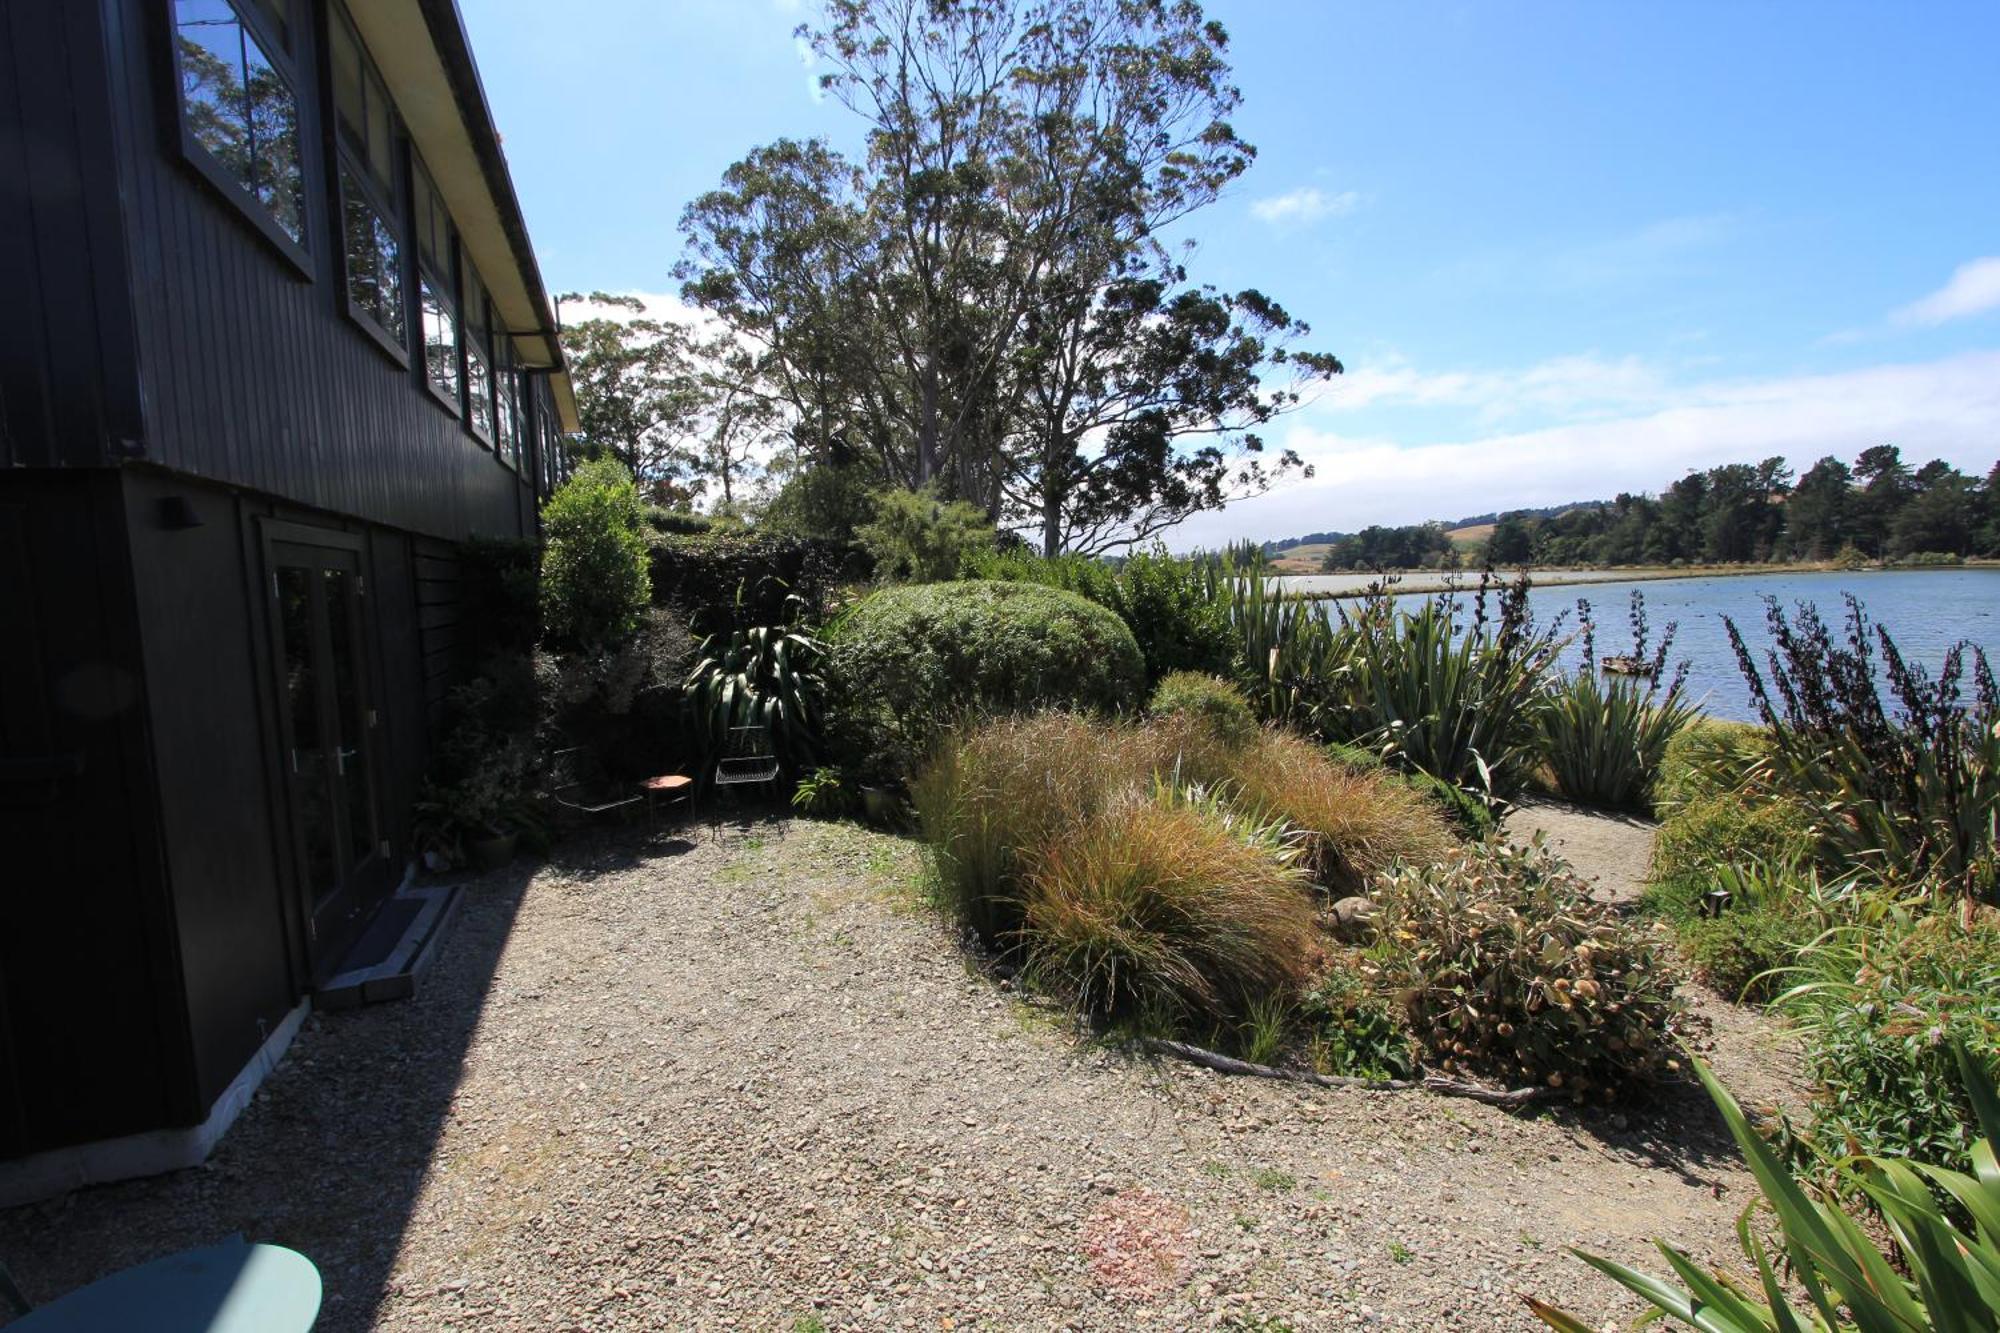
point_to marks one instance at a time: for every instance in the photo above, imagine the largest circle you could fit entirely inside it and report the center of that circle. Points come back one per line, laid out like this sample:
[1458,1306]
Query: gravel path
[756,1086]
[1613,852]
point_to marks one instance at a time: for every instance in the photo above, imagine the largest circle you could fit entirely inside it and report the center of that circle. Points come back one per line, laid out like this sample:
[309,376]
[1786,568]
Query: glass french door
[329,729]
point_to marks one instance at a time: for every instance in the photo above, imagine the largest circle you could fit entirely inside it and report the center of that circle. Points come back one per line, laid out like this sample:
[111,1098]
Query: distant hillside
[1475,527]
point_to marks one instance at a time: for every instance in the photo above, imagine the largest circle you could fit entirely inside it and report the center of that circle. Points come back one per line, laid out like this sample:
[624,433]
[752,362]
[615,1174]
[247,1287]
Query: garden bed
[755,1085]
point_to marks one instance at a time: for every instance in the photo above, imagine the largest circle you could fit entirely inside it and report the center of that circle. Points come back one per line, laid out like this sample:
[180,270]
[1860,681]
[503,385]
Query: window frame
[350,167]
[506,402]
[468,276]
[285,60]
[445,284]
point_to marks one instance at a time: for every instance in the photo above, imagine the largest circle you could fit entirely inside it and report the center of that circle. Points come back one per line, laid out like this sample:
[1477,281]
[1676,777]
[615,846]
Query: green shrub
[1456,696]
[826,502]
[1880,1005]
[724,580]
[1942,1276]
[1168,602]
[1511,970]
[1725,829]
[907,662]
[824,794]
[1208,700]
[1710,757]
[595,584]
[1352,1031]
[1604,739]
[1166,911]
[767,676]
[1742,953]
[916,536]
[1465,811]
[1905,781]
[1746,943]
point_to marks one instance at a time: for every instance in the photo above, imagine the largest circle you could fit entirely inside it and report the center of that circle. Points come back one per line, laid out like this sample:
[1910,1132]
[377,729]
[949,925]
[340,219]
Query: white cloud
[1565,386]
[1974,289]
[1304,205]
[1947,409]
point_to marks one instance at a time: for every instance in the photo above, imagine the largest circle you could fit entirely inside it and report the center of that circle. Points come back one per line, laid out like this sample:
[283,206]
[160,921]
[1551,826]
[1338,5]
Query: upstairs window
[239,108]
[478,358]
[369,138]
[434,285]
[506,402]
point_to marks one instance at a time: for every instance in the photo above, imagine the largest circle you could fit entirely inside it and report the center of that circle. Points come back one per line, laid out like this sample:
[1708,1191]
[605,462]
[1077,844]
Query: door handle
[340,758]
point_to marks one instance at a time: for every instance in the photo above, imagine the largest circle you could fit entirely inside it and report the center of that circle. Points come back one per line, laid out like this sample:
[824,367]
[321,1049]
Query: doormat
[384,933]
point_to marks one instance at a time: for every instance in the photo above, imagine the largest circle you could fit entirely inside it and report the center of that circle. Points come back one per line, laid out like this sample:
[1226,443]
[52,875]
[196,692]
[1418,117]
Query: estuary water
[1926,610]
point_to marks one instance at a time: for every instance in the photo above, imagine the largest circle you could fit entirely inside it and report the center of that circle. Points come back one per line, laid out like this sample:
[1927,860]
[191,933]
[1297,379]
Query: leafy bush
[681,522]
[1743,923]
[1473,818]
[1166,910]
[824,794]
[1912,791]
[595,584]
[1168,602]
[1726,829]
[1710,757]
[916,536]
[1208,700]
[1458,698]
[1510,969]
[1742,953]
[1352,1031]
[908,662]
[1881,1004]
[1943,1275]
[768,677]
[727,580]
[1604,738]
[827,502]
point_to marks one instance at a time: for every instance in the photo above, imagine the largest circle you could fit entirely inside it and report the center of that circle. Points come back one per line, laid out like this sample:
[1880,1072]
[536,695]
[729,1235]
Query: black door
[329,727]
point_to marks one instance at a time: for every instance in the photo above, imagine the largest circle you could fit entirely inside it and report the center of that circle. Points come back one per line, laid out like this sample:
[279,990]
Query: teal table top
[228,1288]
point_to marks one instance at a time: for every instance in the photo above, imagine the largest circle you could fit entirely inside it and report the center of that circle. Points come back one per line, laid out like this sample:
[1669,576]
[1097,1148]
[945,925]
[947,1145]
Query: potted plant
[481,816]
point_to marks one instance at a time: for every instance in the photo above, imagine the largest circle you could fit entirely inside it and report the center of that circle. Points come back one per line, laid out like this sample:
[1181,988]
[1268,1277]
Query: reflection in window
[440,340]
[240,108]
[374,259]
[507,416]
[478,363]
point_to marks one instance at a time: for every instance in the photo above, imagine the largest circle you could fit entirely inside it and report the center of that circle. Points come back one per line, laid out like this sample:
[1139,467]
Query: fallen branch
[1434,1083]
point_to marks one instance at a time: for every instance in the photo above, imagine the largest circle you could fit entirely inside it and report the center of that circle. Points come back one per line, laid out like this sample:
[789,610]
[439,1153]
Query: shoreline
[1429,581]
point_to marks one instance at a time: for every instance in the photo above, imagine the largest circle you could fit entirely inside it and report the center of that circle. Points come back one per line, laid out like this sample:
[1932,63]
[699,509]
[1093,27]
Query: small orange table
[670,787]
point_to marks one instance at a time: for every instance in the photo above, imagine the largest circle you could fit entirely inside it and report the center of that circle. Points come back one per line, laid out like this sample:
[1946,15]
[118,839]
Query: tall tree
[1818,514]
[638,391]
[985,304]
[1886,486]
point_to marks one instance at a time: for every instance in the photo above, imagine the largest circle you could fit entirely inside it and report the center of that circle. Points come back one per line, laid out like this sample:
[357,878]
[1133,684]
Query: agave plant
[1292,655]
[1604,739]
[766,676]
[1943,1276]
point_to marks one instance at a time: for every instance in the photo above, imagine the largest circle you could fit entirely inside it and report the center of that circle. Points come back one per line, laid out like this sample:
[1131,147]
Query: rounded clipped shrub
[909,661]
[1510,970]
[1710,757]
[1209,700]
[1727,828]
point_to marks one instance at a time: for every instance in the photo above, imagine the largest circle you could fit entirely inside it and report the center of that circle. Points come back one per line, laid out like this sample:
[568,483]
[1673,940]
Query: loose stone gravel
[756,1085]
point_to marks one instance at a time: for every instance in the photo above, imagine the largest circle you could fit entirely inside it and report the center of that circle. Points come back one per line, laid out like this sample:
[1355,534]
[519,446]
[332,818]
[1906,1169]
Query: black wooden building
[273,344]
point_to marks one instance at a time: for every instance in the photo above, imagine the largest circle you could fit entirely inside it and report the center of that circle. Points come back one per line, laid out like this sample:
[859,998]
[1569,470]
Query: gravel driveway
[757,1086]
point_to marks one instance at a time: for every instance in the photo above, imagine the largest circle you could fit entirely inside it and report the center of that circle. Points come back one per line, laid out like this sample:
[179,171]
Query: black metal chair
[578,783]
[748,759]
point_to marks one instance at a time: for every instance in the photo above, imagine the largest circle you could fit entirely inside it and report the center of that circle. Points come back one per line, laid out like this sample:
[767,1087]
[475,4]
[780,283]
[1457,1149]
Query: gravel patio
[755,1085]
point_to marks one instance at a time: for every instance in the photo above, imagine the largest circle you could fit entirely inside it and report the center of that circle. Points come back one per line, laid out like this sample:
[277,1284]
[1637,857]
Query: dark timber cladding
[274,348]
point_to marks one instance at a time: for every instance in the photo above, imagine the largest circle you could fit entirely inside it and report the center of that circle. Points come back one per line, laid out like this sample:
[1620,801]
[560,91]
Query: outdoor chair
[749,759]
[578,783]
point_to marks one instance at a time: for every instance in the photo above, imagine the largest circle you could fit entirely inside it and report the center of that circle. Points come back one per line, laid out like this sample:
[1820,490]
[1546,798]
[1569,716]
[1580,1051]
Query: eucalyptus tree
[638,392]
[987,304]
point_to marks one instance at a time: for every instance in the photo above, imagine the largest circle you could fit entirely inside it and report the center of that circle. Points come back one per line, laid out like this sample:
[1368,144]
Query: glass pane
[350,719]
[210,42]
[276,176]
[374,260]
[440,341]
[307,757]
[478,390]
[432,230]
[475,307]
[347,95]
[381,136]
[504,442]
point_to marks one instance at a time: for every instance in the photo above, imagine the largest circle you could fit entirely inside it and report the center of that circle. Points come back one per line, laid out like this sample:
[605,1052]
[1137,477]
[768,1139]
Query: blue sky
[1564,249]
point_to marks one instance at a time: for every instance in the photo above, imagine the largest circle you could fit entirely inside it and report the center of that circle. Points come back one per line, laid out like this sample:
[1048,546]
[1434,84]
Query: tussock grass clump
[1711,757]
[1357,824]
[1509,969]
[1209,700]
[1157,908]
[1604,740]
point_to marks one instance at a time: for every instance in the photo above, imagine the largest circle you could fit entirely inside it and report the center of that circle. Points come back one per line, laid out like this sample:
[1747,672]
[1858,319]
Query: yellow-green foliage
[1728,828]
[1711,758]
[1511,970]
[1209,700]
[595,581]
[1154,906]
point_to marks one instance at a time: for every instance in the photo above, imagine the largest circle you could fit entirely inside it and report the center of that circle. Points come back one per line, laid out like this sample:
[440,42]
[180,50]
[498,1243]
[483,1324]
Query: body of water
[1926,610]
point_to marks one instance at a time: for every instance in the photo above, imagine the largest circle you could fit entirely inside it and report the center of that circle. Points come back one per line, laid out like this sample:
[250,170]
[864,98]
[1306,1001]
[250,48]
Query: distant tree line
[1879,508]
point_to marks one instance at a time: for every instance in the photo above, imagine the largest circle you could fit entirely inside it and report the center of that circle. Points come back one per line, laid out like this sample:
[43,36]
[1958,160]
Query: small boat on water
[1627,666]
